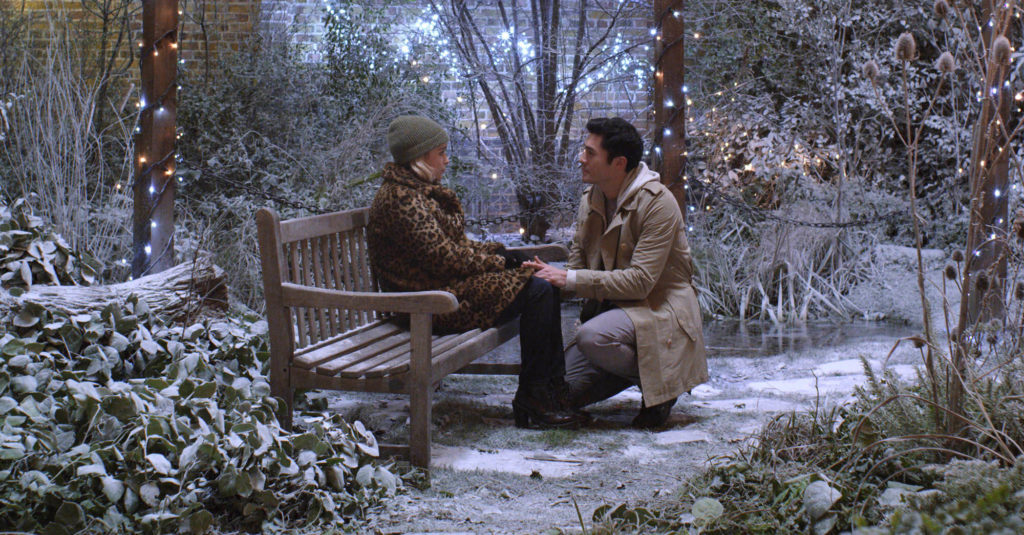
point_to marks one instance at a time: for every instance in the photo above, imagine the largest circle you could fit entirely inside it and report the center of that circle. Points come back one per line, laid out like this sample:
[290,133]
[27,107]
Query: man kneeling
[630,260]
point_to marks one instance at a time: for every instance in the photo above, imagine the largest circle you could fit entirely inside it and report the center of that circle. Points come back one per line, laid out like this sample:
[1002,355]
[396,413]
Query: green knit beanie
[412,136]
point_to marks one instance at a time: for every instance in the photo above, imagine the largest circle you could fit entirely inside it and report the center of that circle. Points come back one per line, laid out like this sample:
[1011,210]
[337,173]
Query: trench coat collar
[627,201]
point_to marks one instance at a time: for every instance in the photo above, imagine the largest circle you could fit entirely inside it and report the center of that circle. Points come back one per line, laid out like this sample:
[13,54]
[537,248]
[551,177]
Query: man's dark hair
[618,138]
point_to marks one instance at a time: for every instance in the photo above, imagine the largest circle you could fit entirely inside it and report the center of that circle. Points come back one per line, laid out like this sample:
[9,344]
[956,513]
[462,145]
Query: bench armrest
[432,302]
[550,252]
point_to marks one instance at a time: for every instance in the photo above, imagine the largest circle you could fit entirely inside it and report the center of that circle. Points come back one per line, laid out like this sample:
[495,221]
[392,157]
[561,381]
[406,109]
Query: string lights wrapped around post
[154,185]
[989,172]
[669,153]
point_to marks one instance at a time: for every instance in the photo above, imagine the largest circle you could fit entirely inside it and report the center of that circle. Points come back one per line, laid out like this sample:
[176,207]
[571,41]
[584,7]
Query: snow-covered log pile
[181,291]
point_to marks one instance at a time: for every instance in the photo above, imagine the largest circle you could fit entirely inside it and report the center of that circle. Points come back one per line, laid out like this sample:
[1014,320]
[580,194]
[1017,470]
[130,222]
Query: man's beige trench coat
[640,261]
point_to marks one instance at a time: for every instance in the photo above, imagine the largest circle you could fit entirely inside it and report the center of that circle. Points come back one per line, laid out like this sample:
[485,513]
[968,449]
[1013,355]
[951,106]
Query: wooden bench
[331,327]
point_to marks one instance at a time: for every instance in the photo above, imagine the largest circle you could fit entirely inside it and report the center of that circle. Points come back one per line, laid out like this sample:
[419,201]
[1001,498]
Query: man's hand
[551,274]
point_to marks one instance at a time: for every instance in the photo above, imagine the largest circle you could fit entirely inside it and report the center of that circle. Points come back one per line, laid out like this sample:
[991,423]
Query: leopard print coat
[417,241]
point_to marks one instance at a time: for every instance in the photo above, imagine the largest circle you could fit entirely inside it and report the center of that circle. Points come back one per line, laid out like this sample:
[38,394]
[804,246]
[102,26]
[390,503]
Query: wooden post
[154,186]
[988,183]
[669,152]
[989,186]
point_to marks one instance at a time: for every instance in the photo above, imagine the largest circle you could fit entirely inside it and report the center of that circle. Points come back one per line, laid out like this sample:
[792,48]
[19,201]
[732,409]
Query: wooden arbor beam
[669,152]
[154,185]
[989,179]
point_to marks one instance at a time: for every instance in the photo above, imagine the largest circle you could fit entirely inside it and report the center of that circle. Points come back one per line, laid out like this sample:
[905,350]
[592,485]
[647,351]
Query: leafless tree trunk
[531,97]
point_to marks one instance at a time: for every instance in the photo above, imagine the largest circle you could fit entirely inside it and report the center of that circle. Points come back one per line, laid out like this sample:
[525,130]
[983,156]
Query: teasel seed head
[870,70]
[1001,50]
[946,64]
[941,9]
[918,341]
[906,47]
[950,272]
[958,256]
[981,283]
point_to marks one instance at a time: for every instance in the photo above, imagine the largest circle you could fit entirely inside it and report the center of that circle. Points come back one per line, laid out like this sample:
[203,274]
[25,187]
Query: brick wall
[629,99]
[209,29]
[212,28]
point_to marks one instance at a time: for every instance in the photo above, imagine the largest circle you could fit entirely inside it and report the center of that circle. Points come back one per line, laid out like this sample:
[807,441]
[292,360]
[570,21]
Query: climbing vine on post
[154,185]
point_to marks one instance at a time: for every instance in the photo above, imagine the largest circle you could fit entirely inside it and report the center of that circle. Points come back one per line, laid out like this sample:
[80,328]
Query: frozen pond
[733,338]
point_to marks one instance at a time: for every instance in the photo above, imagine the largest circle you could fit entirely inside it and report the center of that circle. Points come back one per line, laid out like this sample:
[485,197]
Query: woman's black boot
[535,406]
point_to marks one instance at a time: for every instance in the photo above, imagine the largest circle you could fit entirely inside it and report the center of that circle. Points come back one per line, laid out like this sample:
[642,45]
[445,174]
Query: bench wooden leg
[420,391]
[419,426]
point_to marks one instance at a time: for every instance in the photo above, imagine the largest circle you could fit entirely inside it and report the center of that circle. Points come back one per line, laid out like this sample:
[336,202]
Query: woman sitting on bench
[417,242]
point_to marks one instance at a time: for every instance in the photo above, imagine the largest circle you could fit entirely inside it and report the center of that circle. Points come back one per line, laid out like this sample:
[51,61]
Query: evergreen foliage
[120,421]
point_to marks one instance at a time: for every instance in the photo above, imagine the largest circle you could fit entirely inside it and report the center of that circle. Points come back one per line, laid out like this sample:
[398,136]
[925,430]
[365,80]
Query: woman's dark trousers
[541,400]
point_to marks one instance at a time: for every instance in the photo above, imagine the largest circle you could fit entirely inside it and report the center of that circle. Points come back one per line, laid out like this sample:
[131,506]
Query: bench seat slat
[346,334]
[392,362]
[344,345]
[451,359]
[440,345]
[396,360]
[352,358]
[398,356]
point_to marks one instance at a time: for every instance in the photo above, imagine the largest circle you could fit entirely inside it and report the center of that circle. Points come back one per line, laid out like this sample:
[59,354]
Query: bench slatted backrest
[327,251]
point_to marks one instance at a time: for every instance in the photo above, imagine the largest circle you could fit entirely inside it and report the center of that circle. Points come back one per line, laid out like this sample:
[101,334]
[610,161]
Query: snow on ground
[490,477]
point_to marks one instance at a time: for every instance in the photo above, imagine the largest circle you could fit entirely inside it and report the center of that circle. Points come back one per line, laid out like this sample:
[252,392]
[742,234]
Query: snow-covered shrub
[779,95]
[32,253]
[119,421]
[58,156]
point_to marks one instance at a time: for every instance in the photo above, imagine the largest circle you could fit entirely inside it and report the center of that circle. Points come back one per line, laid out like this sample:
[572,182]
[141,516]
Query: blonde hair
[421,169]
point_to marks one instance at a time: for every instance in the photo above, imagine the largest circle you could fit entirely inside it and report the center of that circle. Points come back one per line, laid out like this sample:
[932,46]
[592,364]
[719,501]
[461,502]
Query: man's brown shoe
[652,417]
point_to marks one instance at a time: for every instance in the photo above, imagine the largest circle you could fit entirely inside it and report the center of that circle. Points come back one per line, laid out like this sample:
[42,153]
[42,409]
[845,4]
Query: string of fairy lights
[998,24]
[675,114]
[426,33]
[149,166]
